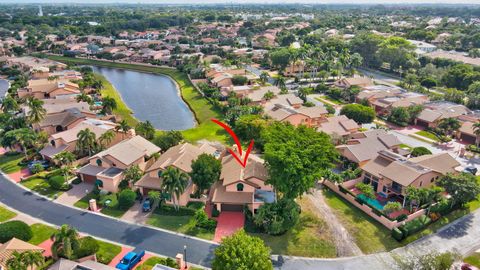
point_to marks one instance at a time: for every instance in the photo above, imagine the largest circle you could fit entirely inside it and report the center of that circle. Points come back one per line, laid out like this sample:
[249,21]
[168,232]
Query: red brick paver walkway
[17,176]
[47,246]
[228,224]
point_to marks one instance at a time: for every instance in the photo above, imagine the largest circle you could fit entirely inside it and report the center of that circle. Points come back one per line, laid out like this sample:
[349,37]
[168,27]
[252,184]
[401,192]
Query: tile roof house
[181,157]
[44,88]
[466,133]
[58,122]
[339,126]
[64,264]
[52,106]
[15,245]
[239,187]
[354,81]
[390,174]
[309,116]
[105,169]
[365,146]
[434,112]
[67,140]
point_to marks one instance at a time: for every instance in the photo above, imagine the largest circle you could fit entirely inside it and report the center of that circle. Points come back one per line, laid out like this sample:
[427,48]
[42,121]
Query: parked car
[130,259]
[471,169]
[147,205]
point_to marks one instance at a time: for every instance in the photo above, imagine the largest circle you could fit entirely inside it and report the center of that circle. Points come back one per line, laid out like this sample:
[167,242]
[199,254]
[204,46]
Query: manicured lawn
[83,202]
[110,210]
[200,106]
[9,162]
[403,146]
[41,233]
[309,238]
[370,236]
[40,185]
[107,251]
[473,259]
[327,98]
[6,214]
[427,134]
[151,262]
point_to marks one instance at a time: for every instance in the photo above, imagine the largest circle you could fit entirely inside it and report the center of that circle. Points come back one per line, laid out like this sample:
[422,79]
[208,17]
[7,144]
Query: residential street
[168,244]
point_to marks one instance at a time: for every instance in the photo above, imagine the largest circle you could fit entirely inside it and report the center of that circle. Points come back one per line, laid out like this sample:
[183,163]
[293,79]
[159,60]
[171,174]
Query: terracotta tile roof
[8,248]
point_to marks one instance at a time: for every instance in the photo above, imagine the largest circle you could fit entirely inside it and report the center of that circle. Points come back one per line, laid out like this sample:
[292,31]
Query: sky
[252,1]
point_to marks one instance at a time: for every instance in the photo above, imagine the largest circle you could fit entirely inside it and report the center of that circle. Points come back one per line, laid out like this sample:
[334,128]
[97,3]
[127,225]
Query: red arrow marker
[237,142]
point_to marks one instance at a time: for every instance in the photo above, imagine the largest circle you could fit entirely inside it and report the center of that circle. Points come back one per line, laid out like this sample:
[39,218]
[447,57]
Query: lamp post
[185,256]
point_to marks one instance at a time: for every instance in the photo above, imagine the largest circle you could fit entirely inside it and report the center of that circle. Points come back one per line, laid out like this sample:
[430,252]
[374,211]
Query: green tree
[174,183]
[449,125]
[145,129]
[109,104]
[85,98]
[106,138]
[168,139]
[205,171]
[65,242]
[462,187]
[25,260]
[249,127]
[420,151]
[429,261]
[398,52]
[36,112]
[264,77]
[242,252]
[366,190]
[123,127]
[156,198]
[391,207]
[278,217]
[132,174]
[9,104]
[280,82]
[65,159]
[25,137]
[303,92]
[86,142]
[359,113]
[399,116]
[126,199]
[296,157]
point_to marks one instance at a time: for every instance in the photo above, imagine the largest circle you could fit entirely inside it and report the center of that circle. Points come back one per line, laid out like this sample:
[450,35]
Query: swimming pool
[372,202]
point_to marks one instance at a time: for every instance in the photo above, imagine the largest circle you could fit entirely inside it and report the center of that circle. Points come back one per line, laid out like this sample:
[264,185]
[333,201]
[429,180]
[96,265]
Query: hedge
[397,234]
[126,199]
[169,210]
[415,225]
[56,182]
[15,228]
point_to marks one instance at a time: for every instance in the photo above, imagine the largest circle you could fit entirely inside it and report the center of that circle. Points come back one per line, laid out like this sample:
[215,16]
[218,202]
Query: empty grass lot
[6,214]
[370,236]
[41,233]
[201,107]
[10,162]
[309,238]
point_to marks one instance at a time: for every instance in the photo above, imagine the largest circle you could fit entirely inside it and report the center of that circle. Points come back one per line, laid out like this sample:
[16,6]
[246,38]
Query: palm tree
[85,98]
[32,258]
[449,125]
[145,129]
[24,137]
[268,95]
[37,112]
[174,183]
[65,241]
[16,262]
[65,159]
[123,127]
[156,197]
[106,138]
[476,130]
[9,104]
[280,82]
[264,77]
[303,92]
[109,104]
[86,141]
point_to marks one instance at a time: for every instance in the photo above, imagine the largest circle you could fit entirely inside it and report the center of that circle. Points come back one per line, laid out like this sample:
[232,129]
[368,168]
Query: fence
[390,224]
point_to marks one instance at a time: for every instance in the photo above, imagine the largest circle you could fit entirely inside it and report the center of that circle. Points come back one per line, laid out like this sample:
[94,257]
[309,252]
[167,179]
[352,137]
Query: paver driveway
[228,224]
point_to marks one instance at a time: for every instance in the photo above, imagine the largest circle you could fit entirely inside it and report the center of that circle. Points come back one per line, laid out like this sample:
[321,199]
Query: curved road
[163,243]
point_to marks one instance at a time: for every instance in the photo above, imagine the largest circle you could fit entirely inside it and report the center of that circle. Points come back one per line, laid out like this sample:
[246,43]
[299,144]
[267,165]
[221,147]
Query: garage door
[422,123]
[467,138]
[89,179]
[232,207]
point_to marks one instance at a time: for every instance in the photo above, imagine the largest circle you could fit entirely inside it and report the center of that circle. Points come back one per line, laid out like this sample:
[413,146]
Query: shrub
[215,212]
[202,220]
[420,151]
[401,217]
[278,217]
[361,114]
[239,80]
[56,182]
[415,225]
[397,234]
[126,199]
[36,168]
[442,207]
[391,207]
[169,210]
[15,228]
[76,181]
[196,205]
[88,246]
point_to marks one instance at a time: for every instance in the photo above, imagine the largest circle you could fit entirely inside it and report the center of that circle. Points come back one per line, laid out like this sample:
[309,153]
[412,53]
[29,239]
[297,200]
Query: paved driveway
[228,224]
[160,242]
[75,194]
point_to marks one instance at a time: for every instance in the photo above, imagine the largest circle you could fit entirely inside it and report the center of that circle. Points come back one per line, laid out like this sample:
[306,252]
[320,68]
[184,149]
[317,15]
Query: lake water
[151,97]
[3,87]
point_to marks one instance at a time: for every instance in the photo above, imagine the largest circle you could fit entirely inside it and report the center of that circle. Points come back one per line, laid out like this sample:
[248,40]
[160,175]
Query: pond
[151,97]
[4,85]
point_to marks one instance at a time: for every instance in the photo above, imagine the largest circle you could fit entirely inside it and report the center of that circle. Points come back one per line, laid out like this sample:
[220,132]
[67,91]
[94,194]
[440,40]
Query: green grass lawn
[83,202]
[40,185]
[473,259]
[110,210]
[327,98]
[41,233]
[9,163]
[181,224]
[107,252]
[202,109]
[309,238]
[152,261]
[6,214]
[403,146]
[370,236]
[427,134]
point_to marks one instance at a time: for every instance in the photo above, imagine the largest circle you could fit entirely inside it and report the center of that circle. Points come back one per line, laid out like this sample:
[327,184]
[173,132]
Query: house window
[52,142]
[421,182]
[239,187]
[159,173]
[99,162]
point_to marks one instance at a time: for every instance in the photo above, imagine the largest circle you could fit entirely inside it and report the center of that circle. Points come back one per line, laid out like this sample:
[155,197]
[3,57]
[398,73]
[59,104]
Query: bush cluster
[15,229]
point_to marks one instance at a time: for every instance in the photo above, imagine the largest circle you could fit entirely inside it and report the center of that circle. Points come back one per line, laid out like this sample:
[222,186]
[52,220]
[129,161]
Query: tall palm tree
[9,104]
[65,159]
[174,183]
[65,241]
[264,77]
[85,98]
[145,129]
[25,137]
[280,82]
[106,138]
[123,127]
[16,262]
[32,259]
[37,112]
[156,197]
[109,104]
[476,130]
[86,141]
